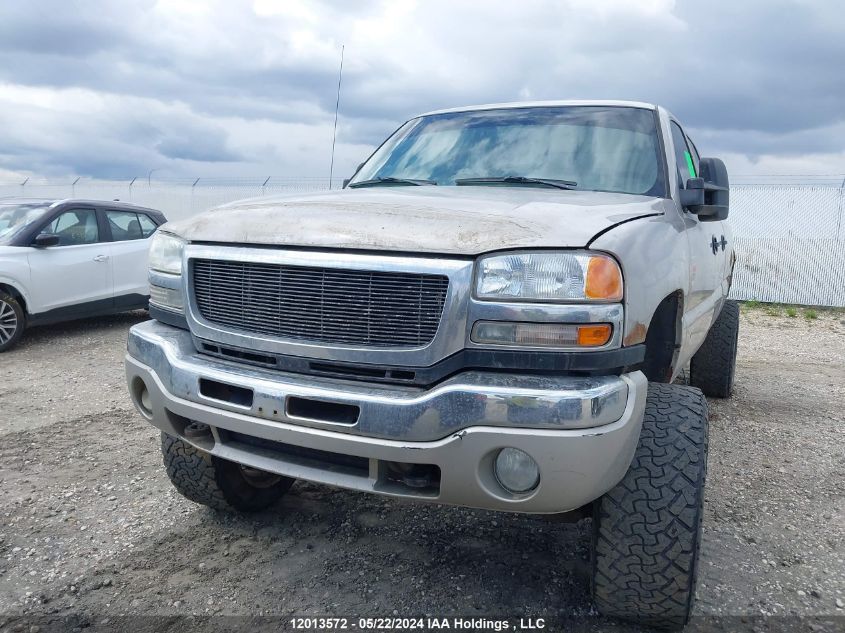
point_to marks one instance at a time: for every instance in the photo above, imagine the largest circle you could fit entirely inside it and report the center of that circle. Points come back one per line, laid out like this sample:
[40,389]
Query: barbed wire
[138,180]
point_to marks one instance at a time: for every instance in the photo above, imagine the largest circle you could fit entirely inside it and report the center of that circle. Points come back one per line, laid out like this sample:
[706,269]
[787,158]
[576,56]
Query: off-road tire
[11,312]
[647,530]
[713,366]
[214,482]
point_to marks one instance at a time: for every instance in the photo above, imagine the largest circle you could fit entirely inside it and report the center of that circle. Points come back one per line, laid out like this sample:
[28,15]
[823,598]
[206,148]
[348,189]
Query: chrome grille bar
[321,304]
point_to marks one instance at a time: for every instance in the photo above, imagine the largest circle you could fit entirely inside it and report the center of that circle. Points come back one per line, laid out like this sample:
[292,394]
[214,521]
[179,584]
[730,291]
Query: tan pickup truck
[491,313]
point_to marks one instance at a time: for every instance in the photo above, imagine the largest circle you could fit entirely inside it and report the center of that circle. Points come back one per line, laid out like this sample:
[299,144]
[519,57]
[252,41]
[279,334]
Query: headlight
[166,253]
[544,276]
[165,268]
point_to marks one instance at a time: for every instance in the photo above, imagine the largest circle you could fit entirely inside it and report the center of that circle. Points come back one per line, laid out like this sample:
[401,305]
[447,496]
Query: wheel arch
[17,294]
[655,259]
[663,338]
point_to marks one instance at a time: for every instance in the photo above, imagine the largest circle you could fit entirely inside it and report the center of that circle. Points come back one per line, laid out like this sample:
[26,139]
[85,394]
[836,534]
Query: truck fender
[655,261]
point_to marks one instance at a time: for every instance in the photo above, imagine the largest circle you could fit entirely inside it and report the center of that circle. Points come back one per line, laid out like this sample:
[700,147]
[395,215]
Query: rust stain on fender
[636,335]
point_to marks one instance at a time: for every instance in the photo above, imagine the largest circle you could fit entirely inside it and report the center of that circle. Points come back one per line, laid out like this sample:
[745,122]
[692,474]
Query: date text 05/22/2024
[416,624]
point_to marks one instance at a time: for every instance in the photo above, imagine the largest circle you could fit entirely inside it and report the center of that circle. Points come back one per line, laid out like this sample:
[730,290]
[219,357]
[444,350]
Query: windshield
[601,148]
[15,217]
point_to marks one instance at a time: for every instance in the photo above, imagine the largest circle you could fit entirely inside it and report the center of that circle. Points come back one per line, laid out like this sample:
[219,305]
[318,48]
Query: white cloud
[222,87]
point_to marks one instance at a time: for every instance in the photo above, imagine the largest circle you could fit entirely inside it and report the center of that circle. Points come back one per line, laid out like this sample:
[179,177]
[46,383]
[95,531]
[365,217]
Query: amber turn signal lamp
[593,335]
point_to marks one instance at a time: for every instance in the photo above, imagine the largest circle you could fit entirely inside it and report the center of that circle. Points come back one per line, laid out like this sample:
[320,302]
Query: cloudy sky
[220,88]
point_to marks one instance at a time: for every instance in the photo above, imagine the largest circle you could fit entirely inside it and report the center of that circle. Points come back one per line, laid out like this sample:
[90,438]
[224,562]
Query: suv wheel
[713,366]
[12,321]
[647,530]
[219,483]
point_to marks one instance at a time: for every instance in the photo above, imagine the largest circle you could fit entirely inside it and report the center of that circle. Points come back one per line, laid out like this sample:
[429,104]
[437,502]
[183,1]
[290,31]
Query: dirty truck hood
[448,220]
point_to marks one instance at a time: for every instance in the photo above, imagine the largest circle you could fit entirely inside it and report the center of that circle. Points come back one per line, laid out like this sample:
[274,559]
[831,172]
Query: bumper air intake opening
[341,370]
[288,453]
[361,372]
[320,411]
[414,480]
[421,478]
[238,355]
[240,396]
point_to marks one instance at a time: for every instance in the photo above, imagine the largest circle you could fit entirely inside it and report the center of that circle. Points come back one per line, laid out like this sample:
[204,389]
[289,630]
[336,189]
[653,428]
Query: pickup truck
[493,312]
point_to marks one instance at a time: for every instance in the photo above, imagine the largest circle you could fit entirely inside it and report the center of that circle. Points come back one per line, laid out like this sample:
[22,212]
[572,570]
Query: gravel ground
[90,527]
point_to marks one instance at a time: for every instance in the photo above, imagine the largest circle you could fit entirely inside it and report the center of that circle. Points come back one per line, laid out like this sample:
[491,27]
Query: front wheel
[12,321]
[647,530]
[219,483]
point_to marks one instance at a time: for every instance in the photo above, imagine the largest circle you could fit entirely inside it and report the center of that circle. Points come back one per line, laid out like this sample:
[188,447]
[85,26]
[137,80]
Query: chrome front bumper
[581,431]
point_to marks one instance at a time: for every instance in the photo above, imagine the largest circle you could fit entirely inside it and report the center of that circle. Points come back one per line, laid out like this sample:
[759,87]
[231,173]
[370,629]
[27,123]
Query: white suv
[68,259]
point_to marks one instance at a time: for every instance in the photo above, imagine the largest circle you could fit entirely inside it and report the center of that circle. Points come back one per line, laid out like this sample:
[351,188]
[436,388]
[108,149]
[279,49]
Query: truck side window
[696,158]
[683,156]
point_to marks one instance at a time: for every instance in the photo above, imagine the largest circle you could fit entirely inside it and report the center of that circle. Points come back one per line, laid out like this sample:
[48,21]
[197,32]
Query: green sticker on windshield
[690,166]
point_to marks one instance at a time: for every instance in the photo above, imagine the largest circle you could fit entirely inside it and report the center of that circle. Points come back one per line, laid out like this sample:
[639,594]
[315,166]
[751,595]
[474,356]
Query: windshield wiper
[390,180]
[548,182]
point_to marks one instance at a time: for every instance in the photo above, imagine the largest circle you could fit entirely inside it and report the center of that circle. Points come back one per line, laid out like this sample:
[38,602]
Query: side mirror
[47,239]
[708,196]
[692,195]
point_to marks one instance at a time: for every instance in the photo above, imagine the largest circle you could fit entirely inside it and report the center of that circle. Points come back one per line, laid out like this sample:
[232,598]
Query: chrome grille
[331,305]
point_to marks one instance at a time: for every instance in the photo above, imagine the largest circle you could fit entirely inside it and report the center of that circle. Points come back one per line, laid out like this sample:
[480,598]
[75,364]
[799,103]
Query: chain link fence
[790,244]
[789,239]
[177,199]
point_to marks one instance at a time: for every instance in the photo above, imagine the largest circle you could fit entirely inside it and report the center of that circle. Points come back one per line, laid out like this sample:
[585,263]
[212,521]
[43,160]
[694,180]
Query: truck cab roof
[546,104]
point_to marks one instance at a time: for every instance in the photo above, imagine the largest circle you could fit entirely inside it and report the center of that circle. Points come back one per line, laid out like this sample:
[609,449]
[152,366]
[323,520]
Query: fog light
[516,471]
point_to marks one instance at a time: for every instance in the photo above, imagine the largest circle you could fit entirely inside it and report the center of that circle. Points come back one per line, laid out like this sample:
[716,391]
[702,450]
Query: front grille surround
[449,339]
[320,304]
[460,309]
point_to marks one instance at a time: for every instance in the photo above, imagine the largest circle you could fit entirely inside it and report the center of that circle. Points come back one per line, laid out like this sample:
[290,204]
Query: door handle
[101,258]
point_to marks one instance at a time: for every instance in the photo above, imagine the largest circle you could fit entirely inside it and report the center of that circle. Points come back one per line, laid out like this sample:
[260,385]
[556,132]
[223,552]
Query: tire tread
[647,530]
[192,473]
[713,365]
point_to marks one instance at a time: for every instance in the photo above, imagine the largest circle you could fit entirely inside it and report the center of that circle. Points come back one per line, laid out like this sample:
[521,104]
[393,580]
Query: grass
[810,313]
[792,311]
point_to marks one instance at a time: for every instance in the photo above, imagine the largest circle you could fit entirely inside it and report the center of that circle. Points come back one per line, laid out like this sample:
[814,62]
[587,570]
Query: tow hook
[196,430]
[414,475]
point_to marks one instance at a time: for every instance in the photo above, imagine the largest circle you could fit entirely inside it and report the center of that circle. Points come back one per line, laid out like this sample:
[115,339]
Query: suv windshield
[14,217]
[601,148]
